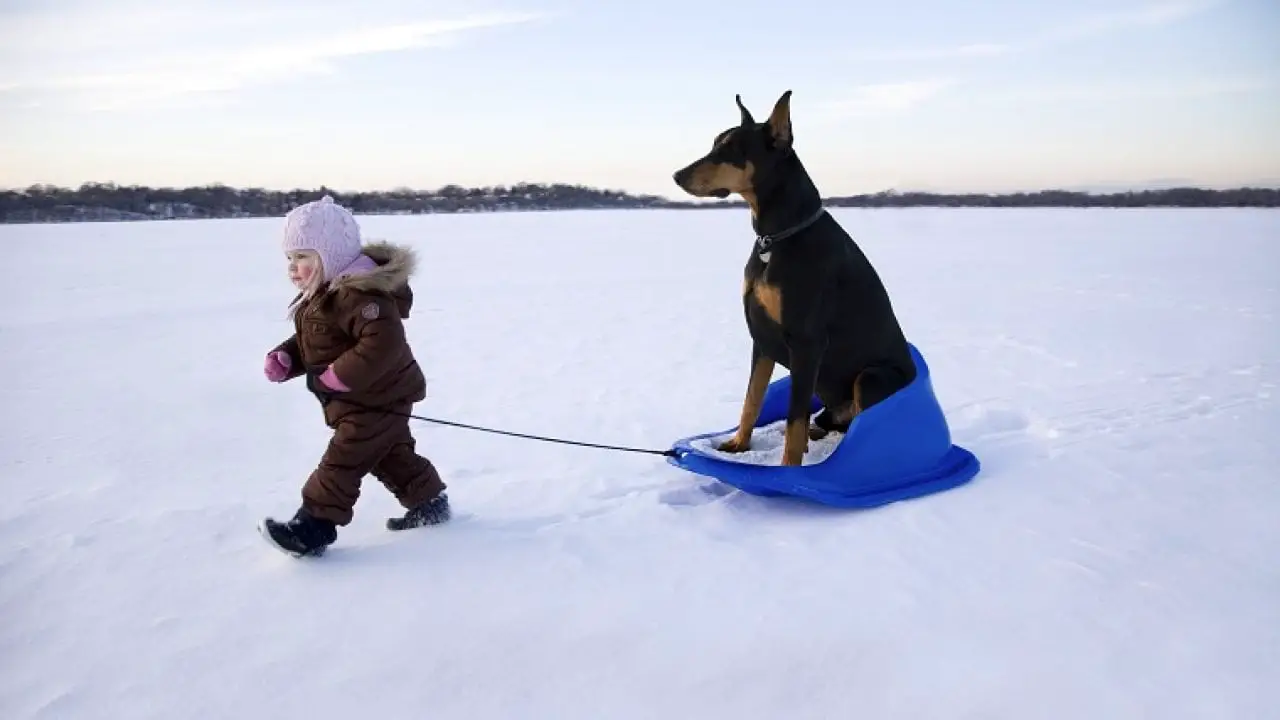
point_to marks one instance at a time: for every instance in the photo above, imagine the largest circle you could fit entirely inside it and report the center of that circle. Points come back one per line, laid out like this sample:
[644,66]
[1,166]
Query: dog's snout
[684,176]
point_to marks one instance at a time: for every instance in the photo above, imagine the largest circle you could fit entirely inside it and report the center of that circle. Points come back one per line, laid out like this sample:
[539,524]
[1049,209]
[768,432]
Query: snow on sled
[895,450]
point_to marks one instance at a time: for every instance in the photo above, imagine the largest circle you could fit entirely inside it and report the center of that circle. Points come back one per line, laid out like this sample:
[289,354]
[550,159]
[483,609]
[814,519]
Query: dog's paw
[734,445]
[817,433]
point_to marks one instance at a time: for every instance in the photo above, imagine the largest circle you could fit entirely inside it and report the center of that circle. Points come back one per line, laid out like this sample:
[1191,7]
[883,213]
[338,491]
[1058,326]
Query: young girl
[350,344]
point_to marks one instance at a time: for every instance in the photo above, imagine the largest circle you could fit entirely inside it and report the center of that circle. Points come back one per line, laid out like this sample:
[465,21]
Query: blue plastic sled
[895,450]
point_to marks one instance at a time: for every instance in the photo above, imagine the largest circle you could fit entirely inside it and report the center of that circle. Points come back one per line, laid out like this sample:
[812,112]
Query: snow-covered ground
[1117,557]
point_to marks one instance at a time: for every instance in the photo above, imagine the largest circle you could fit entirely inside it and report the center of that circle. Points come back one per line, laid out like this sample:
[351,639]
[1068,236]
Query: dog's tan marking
[848,412]
[759,382]
[770,298]
[711,176]
[845,413]
[750,197]
[797,441]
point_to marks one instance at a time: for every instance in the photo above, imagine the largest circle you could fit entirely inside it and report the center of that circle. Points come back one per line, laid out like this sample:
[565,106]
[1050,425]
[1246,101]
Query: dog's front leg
[806,355]
[761,372]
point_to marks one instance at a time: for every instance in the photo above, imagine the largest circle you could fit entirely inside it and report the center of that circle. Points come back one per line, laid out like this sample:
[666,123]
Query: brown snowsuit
[355,324]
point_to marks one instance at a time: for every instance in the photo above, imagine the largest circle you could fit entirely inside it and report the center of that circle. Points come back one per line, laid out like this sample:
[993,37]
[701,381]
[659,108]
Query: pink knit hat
[327,228]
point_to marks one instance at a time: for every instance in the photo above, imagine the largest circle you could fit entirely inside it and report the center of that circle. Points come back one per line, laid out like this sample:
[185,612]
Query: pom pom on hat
[327,228]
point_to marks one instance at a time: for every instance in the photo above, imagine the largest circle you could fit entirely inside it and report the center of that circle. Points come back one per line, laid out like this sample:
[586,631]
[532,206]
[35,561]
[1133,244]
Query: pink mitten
[330,380]
[277,365]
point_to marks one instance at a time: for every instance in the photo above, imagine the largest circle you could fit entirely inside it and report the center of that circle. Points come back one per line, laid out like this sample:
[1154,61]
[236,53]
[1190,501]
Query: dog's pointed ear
[780,121]
[747,120]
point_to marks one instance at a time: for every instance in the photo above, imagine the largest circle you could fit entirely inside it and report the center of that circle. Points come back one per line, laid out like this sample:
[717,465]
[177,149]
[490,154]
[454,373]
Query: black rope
[665,453]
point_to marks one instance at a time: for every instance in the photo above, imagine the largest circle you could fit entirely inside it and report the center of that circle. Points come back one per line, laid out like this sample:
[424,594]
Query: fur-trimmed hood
[396,263]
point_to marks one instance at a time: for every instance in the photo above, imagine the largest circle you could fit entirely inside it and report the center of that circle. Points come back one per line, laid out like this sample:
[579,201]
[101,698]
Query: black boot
[432,512]
[303,535]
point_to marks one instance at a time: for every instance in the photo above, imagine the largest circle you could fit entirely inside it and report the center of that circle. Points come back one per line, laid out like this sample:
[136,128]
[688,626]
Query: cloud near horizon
[880,98]
[153,77]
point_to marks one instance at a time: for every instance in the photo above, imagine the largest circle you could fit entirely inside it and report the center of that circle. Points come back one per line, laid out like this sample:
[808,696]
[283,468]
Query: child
[349,342]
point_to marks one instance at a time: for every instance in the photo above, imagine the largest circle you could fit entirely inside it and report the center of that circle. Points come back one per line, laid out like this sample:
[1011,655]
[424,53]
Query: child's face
[303,266]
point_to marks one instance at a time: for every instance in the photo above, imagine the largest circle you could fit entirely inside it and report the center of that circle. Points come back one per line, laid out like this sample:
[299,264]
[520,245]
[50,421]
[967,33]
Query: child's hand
[277,366]
[330,380]
[325,385]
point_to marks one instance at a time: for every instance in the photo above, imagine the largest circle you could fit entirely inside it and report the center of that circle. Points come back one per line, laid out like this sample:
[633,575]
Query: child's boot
[432,512]
[303,534]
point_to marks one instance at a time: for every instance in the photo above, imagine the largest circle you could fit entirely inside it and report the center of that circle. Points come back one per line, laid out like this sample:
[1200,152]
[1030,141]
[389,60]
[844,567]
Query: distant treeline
[107,201]
[1188,197]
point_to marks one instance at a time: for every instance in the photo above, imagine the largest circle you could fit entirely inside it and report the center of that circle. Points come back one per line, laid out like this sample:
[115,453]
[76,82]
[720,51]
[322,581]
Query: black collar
[764,243]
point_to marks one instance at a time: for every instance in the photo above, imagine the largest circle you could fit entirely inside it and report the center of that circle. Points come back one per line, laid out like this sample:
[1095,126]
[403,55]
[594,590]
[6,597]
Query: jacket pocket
[324,340]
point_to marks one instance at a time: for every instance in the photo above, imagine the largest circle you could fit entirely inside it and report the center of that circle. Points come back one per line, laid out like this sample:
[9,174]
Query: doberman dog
[812,300]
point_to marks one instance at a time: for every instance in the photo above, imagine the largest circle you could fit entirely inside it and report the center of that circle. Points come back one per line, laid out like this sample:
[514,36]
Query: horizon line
[1100,188]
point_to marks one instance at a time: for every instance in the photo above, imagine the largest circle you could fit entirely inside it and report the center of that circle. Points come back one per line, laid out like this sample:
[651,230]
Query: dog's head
[741,157]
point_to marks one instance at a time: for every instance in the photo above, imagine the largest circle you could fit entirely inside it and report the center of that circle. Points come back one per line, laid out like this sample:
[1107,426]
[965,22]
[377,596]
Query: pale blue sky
[987,95]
